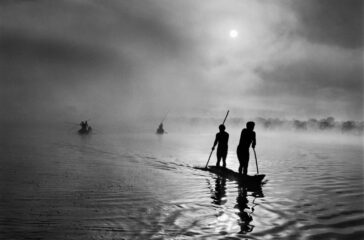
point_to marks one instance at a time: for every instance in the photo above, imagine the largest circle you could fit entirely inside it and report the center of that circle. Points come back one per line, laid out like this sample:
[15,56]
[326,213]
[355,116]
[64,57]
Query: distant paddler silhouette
[160,129]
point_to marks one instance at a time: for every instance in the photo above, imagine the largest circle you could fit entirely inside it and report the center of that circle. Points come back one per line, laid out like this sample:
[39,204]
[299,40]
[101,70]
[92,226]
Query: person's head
[250,125]
[222,127]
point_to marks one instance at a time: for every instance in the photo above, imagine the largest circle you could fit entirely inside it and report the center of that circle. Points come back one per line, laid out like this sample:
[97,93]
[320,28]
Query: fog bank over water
[328,124]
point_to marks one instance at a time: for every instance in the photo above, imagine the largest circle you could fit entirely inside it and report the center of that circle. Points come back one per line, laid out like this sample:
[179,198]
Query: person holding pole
[221,139]
[218,141]
[247,138]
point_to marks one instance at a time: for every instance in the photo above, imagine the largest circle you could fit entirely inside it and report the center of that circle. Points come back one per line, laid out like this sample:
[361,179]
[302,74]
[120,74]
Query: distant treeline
[324,124]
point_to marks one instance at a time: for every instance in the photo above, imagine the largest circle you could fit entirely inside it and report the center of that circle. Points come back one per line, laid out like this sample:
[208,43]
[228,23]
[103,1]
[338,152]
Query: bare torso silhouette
[247,138]
[221,141]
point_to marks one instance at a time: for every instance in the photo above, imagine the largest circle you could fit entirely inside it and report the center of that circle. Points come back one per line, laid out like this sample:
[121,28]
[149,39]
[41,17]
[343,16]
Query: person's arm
[254,140]
[216,140]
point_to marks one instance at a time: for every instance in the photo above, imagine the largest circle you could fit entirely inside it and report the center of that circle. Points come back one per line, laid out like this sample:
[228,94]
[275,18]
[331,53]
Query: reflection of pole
[256,161]
[213,149]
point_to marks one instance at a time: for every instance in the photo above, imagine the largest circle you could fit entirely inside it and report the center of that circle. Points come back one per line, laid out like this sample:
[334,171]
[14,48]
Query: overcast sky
[123,59]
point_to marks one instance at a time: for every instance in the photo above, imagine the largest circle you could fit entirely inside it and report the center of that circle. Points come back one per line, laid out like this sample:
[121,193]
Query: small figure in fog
[247,138]
[221,139]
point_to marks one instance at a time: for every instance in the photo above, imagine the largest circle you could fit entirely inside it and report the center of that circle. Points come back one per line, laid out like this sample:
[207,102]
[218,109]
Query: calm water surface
[56,184]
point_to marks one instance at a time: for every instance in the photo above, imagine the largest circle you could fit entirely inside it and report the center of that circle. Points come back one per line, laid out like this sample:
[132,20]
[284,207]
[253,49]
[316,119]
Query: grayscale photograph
[182,119]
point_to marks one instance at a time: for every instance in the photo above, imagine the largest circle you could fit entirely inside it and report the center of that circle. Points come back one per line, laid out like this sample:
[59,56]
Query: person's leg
[245,166]
[238,153]
[245,162]
[218,155]
[224,158]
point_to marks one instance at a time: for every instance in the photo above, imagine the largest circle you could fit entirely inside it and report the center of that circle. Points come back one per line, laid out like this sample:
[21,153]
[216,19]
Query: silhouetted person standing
[221,139]
[247,138]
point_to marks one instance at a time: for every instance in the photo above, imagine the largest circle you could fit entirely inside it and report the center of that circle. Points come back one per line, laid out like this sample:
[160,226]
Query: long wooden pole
[164,117]
[226,117]
[209,158]
[256,161]
[213,149]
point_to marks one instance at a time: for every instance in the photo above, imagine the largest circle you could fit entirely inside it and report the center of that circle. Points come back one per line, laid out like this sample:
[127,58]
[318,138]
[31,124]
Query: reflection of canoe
[85,130]
[230,174]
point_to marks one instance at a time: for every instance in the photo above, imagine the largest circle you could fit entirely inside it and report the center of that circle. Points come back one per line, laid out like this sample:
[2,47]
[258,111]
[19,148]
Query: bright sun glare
[233,33]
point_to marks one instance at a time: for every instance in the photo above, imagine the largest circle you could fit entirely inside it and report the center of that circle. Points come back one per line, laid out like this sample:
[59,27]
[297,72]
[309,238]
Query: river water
[116,184]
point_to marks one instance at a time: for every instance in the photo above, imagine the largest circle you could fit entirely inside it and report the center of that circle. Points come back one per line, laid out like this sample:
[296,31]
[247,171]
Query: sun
[233,33]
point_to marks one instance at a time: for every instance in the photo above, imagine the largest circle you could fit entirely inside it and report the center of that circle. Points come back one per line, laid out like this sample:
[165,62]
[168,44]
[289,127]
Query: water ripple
[137,187]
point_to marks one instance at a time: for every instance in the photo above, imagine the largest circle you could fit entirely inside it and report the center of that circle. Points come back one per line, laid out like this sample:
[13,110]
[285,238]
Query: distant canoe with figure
[160,129]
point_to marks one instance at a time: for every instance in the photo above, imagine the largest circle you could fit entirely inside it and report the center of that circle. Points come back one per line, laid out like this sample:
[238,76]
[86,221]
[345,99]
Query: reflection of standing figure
[219,194]
[247,137]
[245,218]
[222,139]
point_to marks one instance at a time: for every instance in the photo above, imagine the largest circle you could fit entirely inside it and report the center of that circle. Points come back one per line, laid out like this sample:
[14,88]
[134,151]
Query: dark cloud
[307,77]
[21,49]
[108,58]
[333,22]
[314,87]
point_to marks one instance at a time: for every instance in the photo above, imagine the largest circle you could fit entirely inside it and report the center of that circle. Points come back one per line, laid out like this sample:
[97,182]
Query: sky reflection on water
[143,186]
